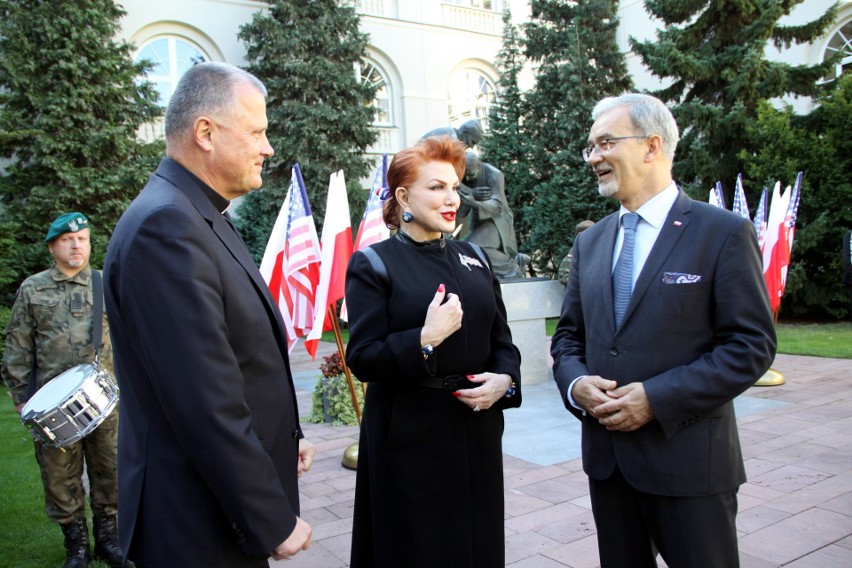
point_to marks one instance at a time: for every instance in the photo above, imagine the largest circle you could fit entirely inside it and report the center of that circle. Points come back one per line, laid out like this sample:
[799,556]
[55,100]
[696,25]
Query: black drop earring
[407,217]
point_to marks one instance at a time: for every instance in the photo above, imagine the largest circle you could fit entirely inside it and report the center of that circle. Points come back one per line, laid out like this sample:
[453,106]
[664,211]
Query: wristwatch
[510,392]
[427,350]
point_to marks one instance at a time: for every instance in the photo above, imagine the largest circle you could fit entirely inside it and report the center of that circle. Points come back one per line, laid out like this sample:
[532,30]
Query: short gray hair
[205,89]
[650,116]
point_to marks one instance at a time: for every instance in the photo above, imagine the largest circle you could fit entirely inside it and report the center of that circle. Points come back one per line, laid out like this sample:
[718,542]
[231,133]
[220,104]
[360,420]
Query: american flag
[716,196]
[372,228]
[789,227]
[740,206]
[760,218]
[291,262]
[793,208]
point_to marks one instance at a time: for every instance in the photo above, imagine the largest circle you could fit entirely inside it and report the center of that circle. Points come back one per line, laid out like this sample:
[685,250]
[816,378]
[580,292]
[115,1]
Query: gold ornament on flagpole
[350,457]
[772,377]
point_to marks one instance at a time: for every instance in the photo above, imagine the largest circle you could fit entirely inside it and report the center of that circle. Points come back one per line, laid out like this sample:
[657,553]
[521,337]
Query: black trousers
[688,532]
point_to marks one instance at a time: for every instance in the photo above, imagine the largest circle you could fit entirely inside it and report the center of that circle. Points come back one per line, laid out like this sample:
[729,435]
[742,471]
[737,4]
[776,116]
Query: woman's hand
[442,318]
[483,397]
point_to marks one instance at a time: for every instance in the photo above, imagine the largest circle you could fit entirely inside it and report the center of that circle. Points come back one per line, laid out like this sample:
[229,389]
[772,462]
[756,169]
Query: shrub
[331,397]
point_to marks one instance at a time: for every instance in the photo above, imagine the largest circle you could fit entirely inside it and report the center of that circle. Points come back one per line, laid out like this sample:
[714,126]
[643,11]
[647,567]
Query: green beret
[67,223]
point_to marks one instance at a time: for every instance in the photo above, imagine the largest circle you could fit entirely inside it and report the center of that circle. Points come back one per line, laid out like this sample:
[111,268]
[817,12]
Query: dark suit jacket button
[613,351]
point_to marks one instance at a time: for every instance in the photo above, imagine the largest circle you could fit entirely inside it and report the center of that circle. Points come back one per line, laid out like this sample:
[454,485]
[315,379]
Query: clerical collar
[219,202]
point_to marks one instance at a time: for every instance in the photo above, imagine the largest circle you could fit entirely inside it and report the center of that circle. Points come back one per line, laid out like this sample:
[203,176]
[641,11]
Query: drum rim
[84,370]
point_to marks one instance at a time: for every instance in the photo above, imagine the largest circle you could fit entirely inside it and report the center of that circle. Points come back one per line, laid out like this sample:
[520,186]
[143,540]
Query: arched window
[840,42]
[471,96]
[171,57]
[373,75]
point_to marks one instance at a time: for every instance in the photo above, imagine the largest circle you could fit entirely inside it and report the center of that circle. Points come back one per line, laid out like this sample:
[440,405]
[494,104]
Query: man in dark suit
[652,373]
[209,440]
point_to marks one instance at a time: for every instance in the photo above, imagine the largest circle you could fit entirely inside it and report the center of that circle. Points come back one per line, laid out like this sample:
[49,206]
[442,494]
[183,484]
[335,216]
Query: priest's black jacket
[429,488]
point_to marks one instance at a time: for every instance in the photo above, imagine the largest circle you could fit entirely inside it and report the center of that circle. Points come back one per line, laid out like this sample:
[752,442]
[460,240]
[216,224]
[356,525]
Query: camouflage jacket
[51,320]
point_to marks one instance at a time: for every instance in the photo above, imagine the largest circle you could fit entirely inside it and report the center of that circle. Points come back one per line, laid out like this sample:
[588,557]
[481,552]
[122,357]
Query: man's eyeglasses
[601,147]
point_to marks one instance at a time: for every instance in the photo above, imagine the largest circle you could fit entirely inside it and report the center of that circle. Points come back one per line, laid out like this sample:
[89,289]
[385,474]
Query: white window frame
[174,68]
[383,102]
[471,94]
[842,37]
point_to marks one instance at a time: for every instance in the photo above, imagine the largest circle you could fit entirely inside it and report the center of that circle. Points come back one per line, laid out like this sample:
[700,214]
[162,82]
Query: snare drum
[71,405]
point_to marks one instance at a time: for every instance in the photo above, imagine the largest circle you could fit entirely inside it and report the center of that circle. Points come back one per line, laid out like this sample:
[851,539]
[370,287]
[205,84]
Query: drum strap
[98,321]
[31,386]
[97,328]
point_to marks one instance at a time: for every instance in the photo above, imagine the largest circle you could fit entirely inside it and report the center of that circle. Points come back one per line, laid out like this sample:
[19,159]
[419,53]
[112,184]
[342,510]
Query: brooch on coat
[468,261]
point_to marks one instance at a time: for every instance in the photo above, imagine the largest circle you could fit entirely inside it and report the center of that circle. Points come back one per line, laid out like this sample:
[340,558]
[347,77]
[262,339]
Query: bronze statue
[487,219]
[470,133]
[484,217]
[565,265]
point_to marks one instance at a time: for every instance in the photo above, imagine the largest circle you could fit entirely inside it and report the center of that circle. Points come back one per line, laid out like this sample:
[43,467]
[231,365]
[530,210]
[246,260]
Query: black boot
[76,543]
[106,542]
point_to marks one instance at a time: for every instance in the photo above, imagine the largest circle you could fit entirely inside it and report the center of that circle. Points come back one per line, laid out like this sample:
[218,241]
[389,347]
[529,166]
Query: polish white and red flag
[291,262]
[372,228]
[777,207]
[336,244]
[784,226]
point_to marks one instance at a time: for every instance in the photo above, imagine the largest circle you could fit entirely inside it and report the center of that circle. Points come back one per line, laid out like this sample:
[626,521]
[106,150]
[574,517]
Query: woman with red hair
[428,333]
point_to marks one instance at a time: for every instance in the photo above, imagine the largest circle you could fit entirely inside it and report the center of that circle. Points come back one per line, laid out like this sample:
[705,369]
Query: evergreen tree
[712,53]
[319,110]
[819,145]
[70,106]
[505,146]
[574,47]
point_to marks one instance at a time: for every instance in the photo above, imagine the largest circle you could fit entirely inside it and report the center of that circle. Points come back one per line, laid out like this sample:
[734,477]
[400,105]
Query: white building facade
[433,60]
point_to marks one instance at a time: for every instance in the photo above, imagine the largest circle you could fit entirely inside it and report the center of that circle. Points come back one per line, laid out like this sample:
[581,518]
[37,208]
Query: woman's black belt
[451,383]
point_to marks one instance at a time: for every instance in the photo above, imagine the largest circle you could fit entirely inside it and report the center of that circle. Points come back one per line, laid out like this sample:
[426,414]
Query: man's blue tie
[622,276]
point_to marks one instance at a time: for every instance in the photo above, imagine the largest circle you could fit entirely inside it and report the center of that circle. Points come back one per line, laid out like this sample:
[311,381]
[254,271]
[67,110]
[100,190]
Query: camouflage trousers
[62,473]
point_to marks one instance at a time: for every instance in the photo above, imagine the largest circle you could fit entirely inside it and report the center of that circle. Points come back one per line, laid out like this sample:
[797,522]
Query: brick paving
[795,510]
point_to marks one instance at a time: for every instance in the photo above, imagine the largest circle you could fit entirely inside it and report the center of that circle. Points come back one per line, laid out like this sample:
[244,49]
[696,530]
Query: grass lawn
[27,538]
[818,339]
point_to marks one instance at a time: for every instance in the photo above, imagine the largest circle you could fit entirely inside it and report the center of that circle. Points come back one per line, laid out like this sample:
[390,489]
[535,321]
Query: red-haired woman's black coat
[430,470]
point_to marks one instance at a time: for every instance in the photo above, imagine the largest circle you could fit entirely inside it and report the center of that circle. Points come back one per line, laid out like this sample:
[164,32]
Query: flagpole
[350,455]
[332,314]
[772,377]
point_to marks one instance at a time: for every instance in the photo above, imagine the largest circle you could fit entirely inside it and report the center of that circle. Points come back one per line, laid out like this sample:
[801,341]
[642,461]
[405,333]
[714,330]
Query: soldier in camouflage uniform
[50,331]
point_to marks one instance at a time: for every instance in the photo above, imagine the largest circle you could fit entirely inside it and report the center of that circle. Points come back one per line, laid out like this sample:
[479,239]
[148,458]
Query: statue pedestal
[529,301]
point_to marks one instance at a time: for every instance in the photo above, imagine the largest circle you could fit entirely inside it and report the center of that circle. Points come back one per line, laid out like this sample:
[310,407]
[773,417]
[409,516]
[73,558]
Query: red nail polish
[456,394]
[470,376]
[440,288]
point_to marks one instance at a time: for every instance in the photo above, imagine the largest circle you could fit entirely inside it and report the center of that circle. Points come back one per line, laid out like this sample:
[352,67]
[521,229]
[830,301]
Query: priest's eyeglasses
[601,147]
